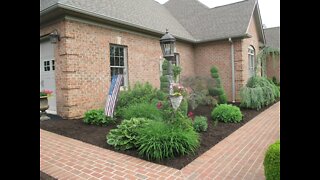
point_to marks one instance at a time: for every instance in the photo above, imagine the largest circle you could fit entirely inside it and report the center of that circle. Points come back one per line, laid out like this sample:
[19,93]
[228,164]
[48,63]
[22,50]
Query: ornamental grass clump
[159,140]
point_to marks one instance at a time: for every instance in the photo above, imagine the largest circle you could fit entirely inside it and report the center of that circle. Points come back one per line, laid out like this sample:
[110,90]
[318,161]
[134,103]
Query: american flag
[113,94]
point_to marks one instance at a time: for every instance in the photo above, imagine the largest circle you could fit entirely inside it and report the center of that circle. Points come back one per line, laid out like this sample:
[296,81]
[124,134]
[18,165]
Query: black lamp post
[167,43]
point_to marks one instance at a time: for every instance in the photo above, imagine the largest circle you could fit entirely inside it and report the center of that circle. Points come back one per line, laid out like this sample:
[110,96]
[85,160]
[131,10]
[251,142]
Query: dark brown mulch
[44,176]
[96,135]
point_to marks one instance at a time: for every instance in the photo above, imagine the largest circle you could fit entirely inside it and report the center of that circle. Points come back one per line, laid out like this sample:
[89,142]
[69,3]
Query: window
[46,65]
[118,61]
[52,65]
[251,59]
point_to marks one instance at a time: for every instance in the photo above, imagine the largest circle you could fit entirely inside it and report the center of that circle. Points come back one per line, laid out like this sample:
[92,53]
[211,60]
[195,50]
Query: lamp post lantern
[167,43]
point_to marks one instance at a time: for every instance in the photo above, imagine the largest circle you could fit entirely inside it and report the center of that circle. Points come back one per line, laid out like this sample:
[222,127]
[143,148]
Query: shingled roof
[186,19]
[272,37]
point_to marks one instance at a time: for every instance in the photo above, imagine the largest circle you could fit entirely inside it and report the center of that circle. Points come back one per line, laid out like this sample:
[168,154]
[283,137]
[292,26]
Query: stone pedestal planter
[176,101]
[43,107]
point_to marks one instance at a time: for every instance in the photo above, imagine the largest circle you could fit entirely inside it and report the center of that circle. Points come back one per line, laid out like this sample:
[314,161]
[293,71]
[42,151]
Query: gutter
[233,70]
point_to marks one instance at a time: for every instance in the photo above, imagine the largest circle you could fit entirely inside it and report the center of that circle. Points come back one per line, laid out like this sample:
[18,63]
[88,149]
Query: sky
[269,9]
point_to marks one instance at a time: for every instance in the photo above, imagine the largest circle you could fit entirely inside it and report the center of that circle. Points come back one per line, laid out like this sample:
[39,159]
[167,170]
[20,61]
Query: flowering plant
[45,92]
[178,89]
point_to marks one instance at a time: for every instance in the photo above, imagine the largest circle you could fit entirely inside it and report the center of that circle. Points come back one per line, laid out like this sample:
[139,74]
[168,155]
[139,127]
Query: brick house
[273,40]
[103,37]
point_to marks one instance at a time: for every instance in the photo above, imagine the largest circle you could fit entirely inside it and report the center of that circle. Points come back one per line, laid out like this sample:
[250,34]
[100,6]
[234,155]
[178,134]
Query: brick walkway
[239,156]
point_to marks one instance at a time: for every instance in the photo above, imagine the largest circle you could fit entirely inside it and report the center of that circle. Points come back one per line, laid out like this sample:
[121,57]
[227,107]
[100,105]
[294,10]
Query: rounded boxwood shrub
[200,124]
[272,162]
[125,135]
[97,117]
[227,113]
[159,140]
[142,110]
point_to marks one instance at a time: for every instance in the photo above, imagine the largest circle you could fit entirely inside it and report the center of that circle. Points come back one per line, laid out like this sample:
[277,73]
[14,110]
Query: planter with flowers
[44,95]
[176,97]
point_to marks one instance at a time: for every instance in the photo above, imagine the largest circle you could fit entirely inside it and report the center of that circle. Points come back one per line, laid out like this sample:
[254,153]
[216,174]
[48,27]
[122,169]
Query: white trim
[51,112]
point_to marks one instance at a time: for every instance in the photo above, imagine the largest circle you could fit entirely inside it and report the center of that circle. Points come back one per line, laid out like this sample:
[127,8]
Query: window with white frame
[251,59]
[118,61]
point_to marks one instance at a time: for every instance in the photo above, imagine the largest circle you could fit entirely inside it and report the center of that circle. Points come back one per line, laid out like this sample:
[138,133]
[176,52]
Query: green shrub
[210,101]
[222,99]
[214,70]
[200,123]
[216,91]
[176,71]
[165,65]
[142,110]
[125,135]
[227,113]
[215,75]
[183,108]
[272,162]
[159,140]
[258,93]
[140,93]
[97,117]
[164,79]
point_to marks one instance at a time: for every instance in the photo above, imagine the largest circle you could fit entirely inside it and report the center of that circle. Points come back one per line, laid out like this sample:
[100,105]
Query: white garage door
[47,75]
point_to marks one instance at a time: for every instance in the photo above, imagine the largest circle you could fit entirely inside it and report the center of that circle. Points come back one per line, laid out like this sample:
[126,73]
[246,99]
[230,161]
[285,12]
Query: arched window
[251,60]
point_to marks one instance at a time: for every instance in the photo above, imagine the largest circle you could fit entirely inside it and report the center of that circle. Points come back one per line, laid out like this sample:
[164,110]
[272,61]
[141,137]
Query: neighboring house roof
[272,37]
[186,19]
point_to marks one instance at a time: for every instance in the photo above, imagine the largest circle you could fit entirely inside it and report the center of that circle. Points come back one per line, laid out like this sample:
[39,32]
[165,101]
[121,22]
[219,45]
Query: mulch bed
[44,176]
[96,135]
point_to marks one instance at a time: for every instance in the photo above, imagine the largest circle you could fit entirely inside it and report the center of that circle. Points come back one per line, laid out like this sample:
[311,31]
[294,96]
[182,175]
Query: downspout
[232,65]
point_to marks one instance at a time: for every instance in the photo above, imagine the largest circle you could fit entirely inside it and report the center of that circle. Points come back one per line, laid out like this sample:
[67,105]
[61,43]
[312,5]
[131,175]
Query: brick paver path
[239,156]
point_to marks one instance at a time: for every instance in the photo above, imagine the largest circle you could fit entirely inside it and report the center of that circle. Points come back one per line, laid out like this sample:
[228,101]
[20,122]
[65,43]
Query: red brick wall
[217,54]
[253,41]
[273,67]
[84,72]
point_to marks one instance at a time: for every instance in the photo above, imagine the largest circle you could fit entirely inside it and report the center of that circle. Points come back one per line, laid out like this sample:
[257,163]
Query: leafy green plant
[272,162]
[142,110]
[176,71]
[140,93]
[200,123]
[159,140]
[97,117]
[218,90]
[227,113]
[258,92]
[125,135]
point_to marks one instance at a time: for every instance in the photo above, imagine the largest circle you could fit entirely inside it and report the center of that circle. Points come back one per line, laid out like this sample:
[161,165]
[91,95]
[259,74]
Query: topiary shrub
[258,92]
[176,71]
[227,113]
[125,135]
[97,117]
[272,162]
[142,110]
[200,123]
[159,140]
[218,90]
